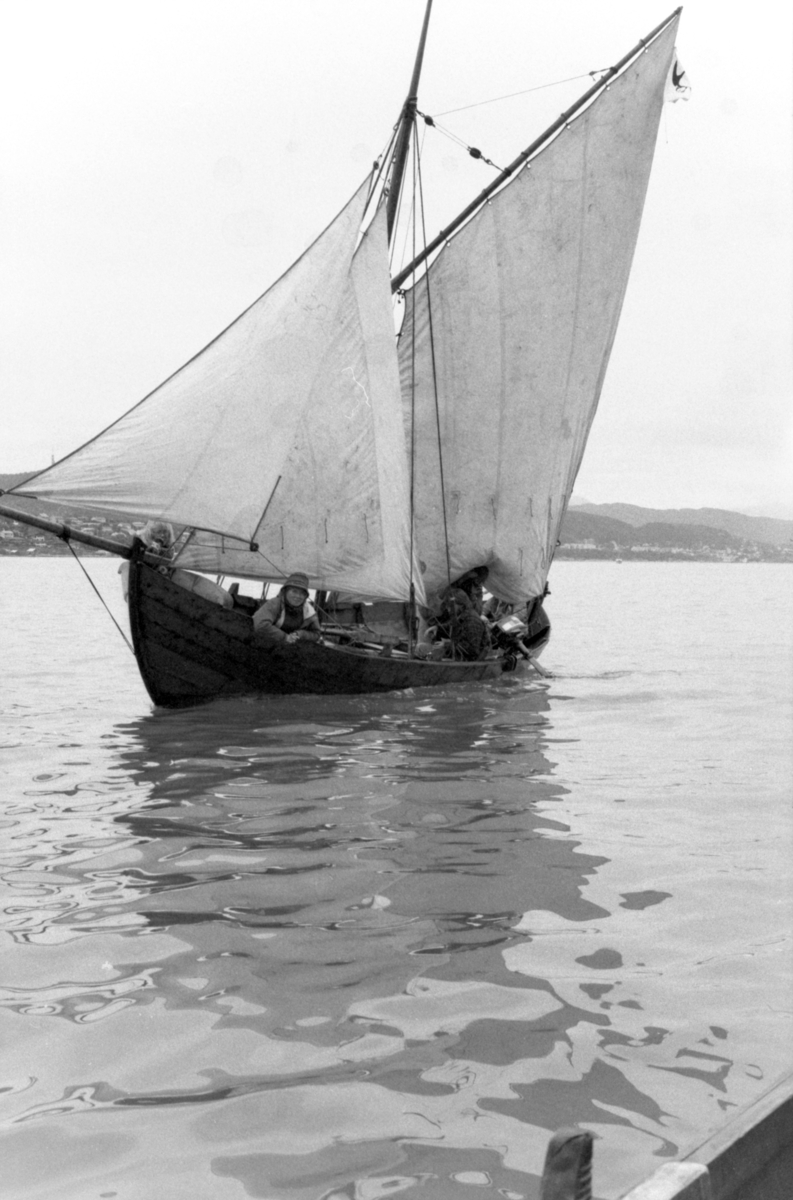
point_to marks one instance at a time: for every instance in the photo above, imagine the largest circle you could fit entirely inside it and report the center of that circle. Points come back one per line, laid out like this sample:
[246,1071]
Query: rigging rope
[511,95]
[99,594]
[380,167]
[279,571]
[409,223]
[434,372]
[474,151]
[413,379]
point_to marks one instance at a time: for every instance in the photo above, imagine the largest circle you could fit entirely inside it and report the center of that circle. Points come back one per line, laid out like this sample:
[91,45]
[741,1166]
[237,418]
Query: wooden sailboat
[307,437]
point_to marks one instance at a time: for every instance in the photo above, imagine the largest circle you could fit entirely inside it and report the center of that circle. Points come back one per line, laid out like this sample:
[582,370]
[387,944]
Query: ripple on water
[357,946]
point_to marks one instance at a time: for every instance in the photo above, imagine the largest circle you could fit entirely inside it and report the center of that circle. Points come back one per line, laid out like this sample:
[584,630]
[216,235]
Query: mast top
[406,120]
[523,157]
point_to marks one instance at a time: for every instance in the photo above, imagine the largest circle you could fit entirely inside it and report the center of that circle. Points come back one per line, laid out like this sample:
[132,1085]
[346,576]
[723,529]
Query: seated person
[289,616]
[461,616]
[473,584]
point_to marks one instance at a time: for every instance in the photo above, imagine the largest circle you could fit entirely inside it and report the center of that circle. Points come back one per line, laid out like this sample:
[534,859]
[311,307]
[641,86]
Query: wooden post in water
[750,1158]
[567,1174]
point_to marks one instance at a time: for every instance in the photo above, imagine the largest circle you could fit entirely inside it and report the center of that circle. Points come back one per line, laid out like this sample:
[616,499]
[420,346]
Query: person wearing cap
[289,616]
[461,618]
[473,584]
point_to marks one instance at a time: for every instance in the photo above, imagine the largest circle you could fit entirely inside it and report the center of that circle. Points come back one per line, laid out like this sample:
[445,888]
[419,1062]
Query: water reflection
[329,948]
[359,852]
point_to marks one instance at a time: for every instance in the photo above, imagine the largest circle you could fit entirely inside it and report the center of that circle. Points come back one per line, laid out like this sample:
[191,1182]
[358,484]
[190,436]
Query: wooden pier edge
[749,1158]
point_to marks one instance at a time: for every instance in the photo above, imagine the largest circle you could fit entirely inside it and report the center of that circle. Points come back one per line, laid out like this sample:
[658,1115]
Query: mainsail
[285,445]
[285,431]
[341,509]
[523,306]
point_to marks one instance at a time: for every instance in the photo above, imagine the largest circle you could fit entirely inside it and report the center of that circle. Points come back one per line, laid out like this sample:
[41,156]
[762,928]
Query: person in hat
[473,584]
[460,619]
[289,616]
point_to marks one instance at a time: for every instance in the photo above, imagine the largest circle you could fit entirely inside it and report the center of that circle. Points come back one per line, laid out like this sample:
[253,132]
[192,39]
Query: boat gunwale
[243,677]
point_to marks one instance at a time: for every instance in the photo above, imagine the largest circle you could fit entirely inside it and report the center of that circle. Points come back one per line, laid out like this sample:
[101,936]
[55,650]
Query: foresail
[340,511]
[207,447]
[524,306]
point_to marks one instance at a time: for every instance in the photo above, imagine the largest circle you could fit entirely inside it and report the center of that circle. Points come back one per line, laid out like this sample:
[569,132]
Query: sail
[207,447]
[340,511]
[524,305]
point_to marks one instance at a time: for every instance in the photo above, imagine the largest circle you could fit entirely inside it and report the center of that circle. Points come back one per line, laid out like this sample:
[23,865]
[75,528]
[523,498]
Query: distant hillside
[757,529]
[588,534]
[599,530]
[19,538]
[9,481]
[581,526]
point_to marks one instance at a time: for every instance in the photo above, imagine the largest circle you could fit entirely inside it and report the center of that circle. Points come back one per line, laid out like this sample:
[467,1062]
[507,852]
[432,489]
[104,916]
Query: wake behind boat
[389,470]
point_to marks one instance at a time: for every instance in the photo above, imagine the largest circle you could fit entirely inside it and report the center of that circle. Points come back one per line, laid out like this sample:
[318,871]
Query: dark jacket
[460,621]
[275,619]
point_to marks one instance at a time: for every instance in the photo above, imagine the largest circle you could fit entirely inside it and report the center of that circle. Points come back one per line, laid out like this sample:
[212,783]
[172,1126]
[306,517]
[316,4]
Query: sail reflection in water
[291,947]
[328,948]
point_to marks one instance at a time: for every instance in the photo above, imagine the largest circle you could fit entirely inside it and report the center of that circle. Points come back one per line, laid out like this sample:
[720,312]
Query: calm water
[360,947]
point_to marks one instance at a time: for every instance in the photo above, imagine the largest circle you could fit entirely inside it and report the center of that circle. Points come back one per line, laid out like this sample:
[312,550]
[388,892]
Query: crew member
[461,617]
[289,617]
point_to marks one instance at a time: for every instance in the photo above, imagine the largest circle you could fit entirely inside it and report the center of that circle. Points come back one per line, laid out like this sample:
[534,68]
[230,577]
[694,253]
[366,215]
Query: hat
[475,575]
[296,580]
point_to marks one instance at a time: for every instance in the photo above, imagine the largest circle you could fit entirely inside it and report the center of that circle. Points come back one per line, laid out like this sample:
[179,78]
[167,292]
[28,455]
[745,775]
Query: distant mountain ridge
[582,529]
[620,524]
[771,530]
[9,481]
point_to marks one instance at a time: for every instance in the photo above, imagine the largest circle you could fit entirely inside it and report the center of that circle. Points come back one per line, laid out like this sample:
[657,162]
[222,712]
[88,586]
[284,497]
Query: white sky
[163,162]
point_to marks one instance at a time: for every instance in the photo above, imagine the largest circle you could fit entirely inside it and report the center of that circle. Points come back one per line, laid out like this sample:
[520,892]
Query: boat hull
[190,650]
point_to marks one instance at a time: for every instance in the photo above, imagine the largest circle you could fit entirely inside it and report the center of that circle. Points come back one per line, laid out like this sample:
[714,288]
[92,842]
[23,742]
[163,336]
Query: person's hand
[293,637]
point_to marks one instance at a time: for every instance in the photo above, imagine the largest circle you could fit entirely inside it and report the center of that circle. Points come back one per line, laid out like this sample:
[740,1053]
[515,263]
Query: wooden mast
[406,122]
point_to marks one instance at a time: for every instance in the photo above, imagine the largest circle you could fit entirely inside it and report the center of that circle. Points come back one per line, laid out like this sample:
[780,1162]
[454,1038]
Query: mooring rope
[99,594]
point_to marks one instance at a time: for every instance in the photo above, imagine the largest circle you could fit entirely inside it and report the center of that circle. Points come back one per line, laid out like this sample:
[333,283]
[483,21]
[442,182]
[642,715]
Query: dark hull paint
[190,650]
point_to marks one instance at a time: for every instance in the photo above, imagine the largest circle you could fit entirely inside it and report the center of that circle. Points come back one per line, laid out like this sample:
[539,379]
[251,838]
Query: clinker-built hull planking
[189,649]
